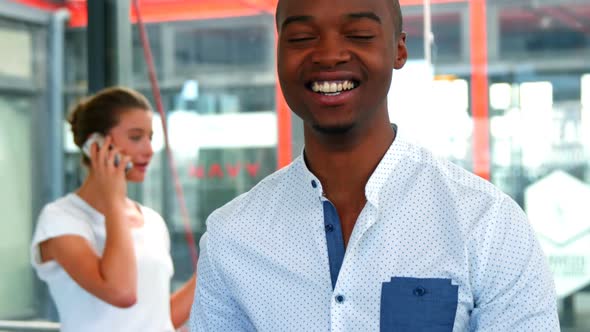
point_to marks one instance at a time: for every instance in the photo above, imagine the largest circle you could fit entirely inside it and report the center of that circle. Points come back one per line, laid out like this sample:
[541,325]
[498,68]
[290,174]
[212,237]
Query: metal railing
[8,325]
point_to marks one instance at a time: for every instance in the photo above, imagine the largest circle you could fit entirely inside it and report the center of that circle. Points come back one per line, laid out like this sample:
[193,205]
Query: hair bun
[74,120]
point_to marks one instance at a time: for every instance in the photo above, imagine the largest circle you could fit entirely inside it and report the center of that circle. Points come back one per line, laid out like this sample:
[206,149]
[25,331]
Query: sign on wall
[558,207]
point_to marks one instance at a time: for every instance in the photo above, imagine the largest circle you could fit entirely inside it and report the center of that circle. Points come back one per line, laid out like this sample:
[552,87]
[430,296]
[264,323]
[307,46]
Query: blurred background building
[500,87]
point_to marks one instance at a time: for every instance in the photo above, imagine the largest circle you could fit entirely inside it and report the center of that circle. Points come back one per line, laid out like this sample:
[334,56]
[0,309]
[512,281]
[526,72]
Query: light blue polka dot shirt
[434,249]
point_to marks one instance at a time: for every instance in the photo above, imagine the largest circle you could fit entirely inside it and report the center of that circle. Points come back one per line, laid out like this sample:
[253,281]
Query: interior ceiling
[518,18]
[515,15]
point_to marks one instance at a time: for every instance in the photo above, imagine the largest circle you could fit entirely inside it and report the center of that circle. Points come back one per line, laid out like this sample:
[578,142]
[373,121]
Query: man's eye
[300,39]
[361,37]
[135,138]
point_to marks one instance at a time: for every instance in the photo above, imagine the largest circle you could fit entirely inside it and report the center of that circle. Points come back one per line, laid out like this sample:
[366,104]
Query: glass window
[76,51]
[446,26]
[539,146]
[17,296]
[231,45]
[18,58]
[22,66]
[437,91]
[544,30]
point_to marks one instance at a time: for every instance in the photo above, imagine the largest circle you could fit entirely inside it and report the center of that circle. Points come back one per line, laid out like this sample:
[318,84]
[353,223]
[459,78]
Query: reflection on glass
[585,113]
[18,58]
[500,96]
[536,103]
[432,112]
[543,29]
[16,287]
[585,90]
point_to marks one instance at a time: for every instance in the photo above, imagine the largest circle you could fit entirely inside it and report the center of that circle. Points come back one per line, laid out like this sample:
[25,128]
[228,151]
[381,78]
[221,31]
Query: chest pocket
[416,305]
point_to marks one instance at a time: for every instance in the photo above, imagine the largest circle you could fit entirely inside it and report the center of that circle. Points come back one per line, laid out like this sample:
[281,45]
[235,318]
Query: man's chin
[335,130]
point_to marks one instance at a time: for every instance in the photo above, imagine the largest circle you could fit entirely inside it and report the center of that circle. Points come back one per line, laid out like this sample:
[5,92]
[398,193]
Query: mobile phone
[99,139]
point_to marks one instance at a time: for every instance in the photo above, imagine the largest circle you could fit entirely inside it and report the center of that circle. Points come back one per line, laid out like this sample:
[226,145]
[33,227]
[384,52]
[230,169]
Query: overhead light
[500,96]
[546,22]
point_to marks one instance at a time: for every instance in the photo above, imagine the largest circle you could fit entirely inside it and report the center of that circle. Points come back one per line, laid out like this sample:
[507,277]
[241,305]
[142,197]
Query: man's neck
[345,164]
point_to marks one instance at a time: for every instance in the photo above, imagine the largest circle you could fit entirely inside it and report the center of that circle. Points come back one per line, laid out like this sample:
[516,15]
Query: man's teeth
[332,87]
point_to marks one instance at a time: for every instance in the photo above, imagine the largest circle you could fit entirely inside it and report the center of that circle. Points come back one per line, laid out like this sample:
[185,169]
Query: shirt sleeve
[214,307]
[53,223]
[513,286]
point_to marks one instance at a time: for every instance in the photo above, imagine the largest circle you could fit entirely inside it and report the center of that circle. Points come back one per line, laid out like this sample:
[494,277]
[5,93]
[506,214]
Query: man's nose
[330,52]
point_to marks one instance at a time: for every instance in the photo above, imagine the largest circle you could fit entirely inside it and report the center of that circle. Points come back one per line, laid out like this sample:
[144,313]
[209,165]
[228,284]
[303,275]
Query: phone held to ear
[99,139]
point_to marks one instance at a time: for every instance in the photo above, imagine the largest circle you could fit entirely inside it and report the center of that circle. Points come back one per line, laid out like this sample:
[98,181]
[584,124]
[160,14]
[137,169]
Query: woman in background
[106,258]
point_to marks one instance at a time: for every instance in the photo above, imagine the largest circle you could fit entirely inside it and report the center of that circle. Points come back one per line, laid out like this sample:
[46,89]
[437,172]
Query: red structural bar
[285,146]
[479,88]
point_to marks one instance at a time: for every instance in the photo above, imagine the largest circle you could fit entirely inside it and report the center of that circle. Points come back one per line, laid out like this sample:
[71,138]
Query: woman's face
[133,136]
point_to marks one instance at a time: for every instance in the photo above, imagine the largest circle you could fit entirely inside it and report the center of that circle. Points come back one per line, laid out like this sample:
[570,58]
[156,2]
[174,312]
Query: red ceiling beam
[183,10]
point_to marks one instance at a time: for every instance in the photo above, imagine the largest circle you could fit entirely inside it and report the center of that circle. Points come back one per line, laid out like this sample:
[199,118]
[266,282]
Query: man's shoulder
[472,198]
[446,172]
[465,200]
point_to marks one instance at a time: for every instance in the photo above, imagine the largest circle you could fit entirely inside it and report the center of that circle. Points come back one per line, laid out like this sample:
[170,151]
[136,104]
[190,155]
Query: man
[365,232]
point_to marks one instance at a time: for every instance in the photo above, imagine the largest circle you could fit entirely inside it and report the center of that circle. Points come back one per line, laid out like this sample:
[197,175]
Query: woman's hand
[181,302]
[110,178]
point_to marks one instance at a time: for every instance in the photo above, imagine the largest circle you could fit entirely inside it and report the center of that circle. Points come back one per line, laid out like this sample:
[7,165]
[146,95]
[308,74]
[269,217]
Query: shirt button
[329,228]
[419,291]
[339,298]
[314,184]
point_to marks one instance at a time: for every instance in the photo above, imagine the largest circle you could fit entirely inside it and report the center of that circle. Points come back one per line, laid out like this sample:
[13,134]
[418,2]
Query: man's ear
[402,51]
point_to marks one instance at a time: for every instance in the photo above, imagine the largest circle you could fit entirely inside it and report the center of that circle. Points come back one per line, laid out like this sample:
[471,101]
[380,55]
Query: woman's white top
[81,311]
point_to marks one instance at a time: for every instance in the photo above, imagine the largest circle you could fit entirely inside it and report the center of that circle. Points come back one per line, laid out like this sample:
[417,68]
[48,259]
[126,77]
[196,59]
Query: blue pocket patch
[414,304]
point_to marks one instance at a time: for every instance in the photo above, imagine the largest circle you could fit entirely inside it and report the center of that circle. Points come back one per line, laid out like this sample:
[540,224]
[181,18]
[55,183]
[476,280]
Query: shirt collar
[376,181]
[384,171]
[312,183]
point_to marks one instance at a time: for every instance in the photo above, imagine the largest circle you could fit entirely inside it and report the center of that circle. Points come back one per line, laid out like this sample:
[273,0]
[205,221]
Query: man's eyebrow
[361,15]
[293,19]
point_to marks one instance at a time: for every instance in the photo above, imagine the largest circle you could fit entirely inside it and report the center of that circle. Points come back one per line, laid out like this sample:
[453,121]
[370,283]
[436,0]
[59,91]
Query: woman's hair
[100,112]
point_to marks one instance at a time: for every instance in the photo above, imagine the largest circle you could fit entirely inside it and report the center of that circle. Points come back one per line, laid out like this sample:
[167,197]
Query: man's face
[335,60]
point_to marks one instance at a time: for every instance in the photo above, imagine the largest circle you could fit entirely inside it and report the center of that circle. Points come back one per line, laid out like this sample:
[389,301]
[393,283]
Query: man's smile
[332,88]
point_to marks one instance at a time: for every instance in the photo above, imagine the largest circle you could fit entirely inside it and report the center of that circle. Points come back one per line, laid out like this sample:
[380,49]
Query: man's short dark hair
[396,12]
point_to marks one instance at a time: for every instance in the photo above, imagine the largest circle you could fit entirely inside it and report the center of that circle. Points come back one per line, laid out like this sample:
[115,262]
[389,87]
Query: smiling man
[365,232]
